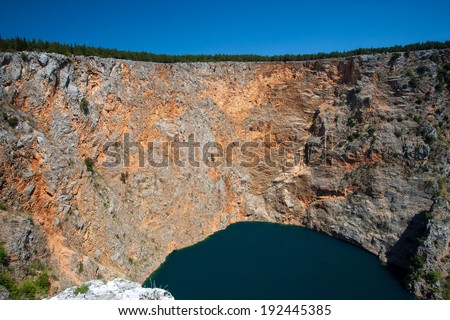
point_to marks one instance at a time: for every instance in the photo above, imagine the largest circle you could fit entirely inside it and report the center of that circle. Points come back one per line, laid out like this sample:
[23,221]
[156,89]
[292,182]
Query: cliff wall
[357,148]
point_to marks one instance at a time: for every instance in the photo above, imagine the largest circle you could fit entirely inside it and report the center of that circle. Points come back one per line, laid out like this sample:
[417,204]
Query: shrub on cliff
[13,121]
[413,83]
[446,293]
[421,70]
[443,188]
[42,282]
[433,276]
[25,291]
[3,255]
[89,163]
[7,282]
[84,105]
[394,58]
[28,289]
[81,289]
[417,262]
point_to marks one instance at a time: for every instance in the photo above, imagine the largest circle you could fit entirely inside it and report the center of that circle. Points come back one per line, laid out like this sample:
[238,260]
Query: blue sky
[232,27]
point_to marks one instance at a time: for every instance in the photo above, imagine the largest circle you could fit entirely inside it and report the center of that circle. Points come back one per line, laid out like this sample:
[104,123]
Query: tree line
[23,44]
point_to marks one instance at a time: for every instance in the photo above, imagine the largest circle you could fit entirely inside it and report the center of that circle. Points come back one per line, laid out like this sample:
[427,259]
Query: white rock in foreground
[117,289]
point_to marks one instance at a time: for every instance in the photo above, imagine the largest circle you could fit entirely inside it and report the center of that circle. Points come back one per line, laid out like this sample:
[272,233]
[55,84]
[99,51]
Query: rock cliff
[357,148]
[117,289]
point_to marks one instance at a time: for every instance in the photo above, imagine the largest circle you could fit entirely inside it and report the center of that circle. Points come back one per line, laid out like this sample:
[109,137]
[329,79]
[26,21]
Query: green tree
[22,44]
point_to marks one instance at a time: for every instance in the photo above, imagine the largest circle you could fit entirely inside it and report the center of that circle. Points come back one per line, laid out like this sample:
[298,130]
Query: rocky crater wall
[359,149]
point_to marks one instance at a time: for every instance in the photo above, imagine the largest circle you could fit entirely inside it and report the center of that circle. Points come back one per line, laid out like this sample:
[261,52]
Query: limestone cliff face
[368,135]
[117,289]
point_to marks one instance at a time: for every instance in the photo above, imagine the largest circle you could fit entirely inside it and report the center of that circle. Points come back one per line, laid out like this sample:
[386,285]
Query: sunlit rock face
[117,289]
[356,148]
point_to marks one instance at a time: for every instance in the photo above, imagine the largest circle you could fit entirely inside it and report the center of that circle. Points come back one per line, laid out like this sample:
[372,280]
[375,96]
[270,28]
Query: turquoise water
[255,260]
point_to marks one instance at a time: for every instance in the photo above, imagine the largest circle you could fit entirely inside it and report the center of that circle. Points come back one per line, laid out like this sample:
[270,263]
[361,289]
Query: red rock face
[357,148]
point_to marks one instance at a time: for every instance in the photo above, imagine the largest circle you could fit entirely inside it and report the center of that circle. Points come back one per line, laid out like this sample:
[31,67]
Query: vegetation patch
[371,131]
[394,58]
[413,83]
[446,293]
[84,105]
[421,70]
[3,256]
[23,44]
[433,276]
[35,286]
[13,121]
[444,188]
[409,73]
[80,268]
[89,163]
[417,262]
[30,289]
[81,289]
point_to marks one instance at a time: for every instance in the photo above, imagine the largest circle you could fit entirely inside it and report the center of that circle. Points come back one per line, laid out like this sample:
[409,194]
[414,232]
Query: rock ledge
[117,289]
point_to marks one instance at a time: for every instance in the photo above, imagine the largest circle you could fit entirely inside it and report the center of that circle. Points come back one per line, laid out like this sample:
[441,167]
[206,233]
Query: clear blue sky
[260,27]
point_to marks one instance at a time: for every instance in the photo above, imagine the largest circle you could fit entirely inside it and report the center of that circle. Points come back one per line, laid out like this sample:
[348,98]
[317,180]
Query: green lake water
[255,260]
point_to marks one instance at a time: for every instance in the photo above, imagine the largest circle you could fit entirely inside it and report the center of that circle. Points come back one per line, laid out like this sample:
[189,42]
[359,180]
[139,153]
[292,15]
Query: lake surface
[256,260]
